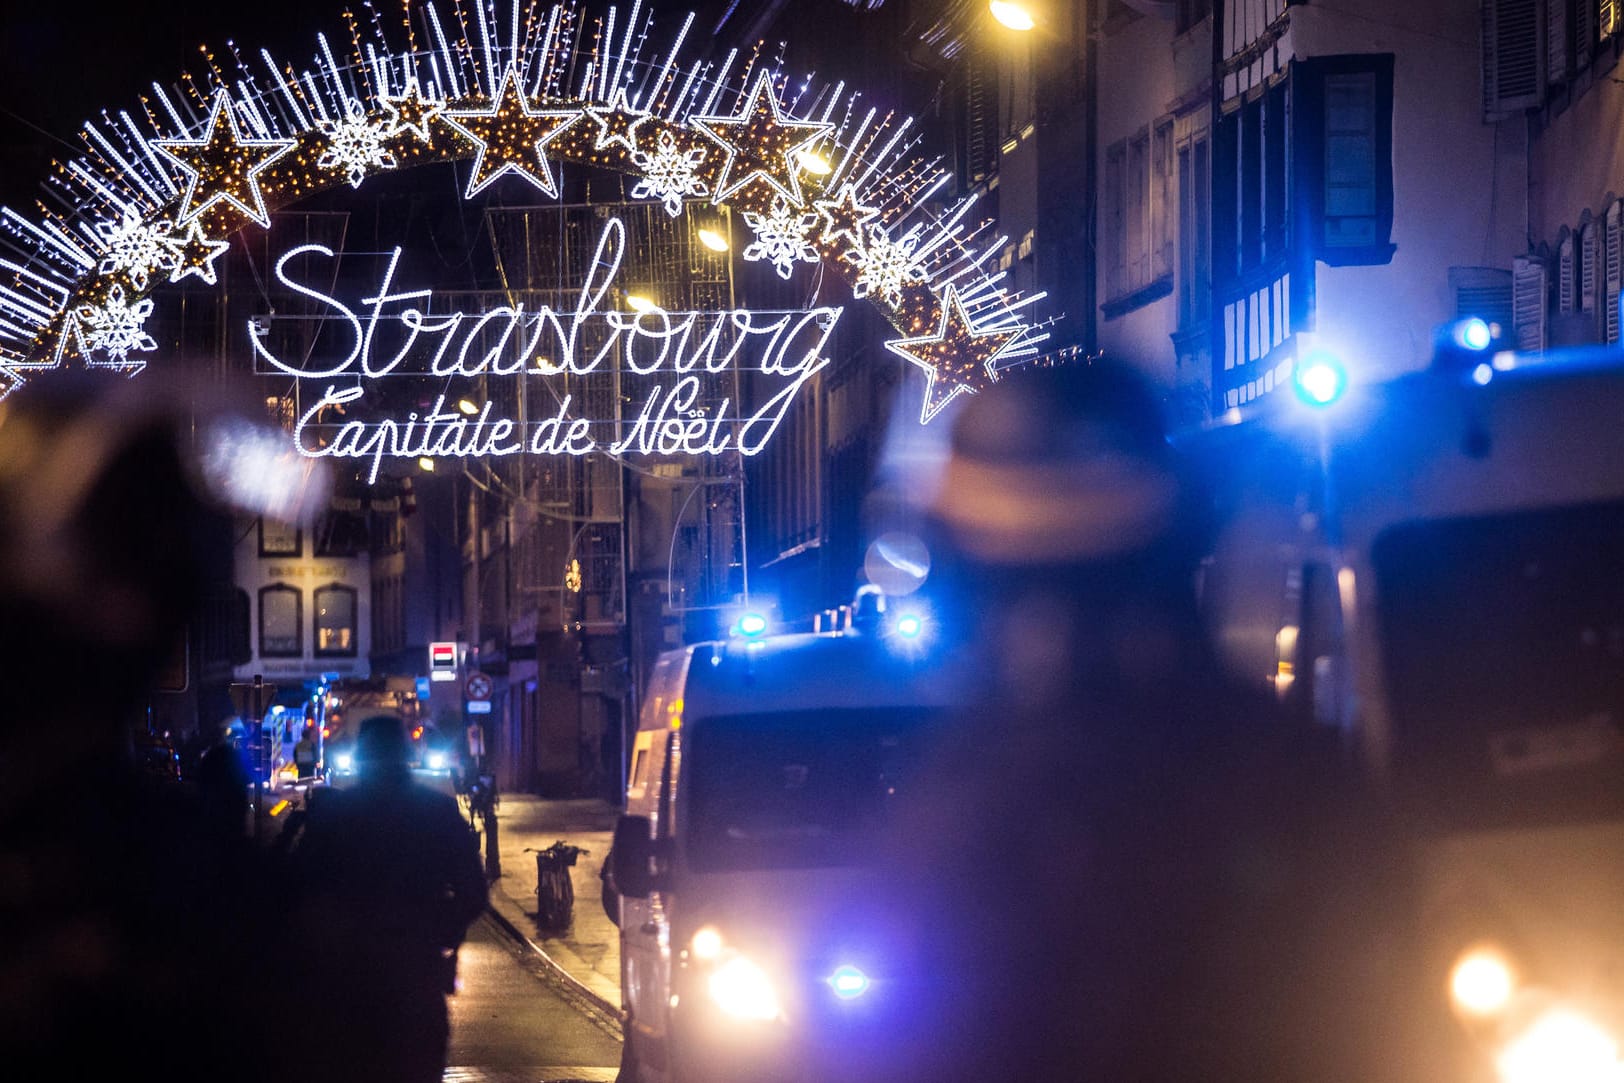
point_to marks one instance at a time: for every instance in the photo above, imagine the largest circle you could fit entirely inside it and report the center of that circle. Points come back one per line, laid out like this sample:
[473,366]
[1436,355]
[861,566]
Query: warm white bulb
[467,407]
[640,304]
[713,240]
[1013,15]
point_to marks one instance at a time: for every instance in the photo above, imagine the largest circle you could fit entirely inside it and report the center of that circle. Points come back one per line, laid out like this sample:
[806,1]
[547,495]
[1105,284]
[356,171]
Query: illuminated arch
[158,199]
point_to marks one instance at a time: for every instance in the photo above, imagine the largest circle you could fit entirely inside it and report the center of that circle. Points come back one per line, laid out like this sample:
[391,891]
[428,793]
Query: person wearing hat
[389,879]
[1126,866]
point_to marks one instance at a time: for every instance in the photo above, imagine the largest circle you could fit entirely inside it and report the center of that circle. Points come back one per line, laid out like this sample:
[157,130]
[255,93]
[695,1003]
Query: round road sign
[478,686]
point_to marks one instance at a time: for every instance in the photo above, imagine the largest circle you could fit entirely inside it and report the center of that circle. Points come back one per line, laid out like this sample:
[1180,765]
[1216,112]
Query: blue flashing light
[848,982]
[751,624]
[909,625]
[1319,379]
[1482,374]
[1474,334]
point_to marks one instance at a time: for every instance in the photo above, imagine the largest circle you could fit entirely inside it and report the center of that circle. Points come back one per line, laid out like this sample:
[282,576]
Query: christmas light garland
[525,87]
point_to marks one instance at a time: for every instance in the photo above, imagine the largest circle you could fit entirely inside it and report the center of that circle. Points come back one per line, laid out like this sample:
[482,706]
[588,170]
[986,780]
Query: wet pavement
[588,951]
[515,1018]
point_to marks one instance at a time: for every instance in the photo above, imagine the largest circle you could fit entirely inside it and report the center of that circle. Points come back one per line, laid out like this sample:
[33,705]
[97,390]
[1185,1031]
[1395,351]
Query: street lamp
[813,162]
[711,240]
[640,304]
[1012,14]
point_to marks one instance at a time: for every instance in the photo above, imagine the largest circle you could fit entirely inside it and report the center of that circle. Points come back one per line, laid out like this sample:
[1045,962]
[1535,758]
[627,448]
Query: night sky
[66,60]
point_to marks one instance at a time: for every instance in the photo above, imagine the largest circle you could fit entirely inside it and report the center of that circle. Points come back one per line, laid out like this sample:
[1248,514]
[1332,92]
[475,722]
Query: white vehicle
[761,777]
[1436,567]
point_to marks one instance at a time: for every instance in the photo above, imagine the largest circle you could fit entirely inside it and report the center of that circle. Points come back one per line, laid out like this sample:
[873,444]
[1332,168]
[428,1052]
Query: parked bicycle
[555,894]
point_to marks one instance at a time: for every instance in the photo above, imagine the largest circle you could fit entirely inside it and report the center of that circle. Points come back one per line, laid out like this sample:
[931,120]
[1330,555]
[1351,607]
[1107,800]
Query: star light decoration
[194,254]
[956,357]
[411,113]
[356,145]
[617,123]
[222,166]
[145,204]
[783,236]
[511,136]
[760,145]
[844,217]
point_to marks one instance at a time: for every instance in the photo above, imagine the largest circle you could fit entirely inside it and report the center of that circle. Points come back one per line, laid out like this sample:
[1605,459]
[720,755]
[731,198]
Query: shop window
[335,621]
[279,620]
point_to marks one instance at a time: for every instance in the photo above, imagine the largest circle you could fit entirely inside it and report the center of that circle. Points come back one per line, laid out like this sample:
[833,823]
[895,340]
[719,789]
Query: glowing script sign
[677,372]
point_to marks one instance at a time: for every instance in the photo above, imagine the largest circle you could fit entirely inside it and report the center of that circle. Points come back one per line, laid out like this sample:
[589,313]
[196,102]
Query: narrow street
[514,1021]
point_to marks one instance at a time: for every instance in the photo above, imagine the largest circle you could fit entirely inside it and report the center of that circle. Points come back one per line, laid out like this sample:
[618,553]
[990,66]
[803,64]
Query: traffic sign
[479,706]
[443,661]
[478,686]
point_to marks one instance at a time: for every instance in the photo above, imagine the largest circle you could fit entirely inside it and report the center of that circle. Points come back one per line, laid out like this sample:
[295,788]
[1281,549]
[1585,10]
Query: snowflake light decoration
[514,86]
[783,236]
[135,247]
[355,145]
[670,174]
[115,326]
[885,267]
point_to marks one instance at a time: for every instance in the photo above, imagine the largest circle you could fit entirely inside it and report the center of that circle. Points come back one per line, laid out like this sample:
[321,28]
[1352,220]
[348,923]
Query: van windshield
[1503,644]
[798,789]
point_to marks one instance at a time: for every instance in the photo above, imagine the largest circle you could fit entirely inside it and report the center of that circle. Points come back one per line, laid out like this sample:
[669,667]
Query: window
[279,539]
[1347,105]
[1195,225]
[335,621]
[279,618]
[341,534]
[1350,160]
[1137,217]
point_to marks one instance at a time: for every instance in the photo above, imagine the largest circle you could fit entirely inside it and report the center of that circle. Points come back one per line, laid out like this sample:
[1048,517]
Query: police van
[1434,566]
[760,781]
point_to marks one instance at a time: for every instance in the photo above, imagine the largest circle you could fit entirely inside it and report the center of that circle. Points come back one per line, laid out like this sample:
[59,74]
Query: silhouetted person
[129,929]
[1123,867]
[389,880]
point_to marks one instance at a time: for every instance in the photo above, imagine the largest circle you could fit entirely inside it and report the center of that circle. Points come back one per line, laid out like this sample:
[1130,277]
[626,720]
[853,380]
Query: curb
[604,1005]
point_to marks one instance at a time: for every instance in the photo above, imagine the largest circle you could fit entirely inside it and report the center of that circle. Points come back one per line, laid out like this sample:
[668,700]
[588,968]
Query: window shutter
[1556,40]
[1565,276]
[1584,31]
[1513,57]
[1587,268]
[1484,292]
[1614,264]
[1528,305]
[1608,13]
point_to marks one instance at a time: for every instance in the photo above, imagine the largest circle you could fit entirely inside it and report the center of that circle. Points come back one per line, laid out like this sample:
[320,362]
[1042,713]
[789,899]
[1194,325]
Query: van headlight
[343,762]
[741,989]
[1560,1046]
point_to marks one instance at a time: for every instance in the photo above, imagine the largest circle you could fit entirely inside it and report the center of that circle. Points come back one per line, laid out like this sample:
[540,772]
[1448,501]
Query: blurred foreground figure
[389,880]
[128,925]
[1129,869]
